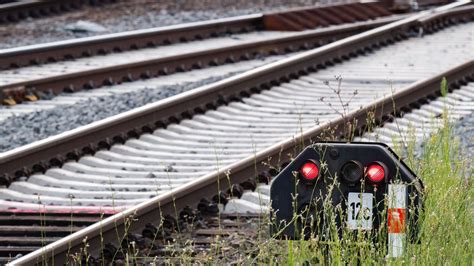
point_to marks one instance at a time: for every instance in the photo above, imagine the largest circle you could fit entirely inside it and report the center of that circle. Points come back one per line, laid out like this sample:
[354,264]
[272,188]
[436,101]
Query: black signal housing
[352,171]
[348,171]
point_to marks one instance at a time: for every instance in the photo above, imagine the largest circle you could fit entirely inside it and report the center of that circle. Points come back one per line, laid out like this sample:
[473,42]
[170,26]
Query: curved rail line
[109,74]
[19,86]
[208,187]
[131,40]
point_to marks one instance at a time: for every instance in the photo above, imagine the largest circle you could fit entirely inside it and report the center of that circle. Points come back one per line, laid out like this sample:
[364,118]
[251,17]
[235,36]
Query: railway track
[112,59]
[205,149]
[31,83]
[22,233]
[233,216]
[14,11]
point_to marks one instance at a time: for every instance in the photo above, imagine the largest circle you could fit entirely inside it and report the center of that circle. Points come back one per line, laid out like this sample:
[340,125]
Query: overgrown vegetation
[445,231]
[446,227]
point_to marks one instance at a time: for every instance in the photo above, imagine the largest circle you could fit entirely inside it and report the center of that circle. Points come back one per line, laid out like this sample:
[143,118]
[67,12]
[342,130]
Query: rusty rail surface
[112,229]
[19,10]
[184,62]
[369,14]
[298,19]
[54,151]
[310,17]
[44,53]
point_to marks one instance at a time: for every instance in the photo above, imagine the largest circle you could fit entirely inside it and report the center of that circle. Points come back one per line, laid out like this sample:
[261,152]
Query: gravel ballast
[21,129]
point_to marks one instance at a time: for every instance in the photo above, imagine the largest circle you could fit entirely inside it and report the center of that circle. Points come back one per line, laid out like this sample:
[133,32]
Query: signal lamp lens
[375,172]
[352,171]
[309,170]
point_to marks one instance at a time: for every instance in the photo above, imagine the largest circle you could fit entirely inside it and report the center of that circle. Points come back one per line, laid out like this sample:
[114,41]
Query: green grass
[447,229]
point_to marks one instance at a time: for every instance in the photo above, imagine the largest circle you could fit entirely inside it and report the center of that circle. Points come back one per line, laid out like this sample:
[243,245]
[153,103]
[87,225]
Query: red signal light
[309,170]
[375,172]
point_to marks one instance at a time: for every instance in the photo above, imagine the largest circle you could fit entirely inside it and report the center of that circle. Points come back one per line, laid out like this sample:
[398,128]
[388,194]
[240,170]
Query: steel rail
[188,61]
[54,151]
[43,53]
[438,20]
[74,48]
[18,91]
[114,228]
[18,10]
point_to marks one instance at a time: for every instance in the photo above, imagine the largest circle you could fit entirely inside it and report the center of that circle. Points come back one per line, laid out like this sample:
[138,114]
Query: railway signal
[359,187]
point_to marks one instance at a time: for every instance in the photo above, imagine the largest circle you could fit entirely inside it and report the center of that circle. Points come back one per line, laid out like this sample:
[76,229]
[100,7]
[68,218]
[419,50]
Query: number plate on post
[359,211]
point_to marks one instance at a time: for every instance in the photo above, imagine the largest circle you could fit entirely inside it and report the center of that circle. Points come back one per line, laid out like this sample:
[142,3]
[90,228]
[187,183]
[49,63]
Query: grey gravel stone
[22,129]
[85,26]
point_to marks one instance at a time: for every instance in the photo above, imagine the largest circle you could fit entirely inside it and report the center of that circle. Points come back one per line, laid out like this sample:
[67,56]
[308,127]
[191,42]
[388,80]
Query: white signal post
[397,210]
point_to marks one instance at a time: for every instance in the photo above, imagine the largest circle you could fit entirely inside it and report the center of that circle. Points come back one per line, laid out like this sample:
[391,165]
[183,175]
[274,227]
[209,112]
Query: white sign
[359,211]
